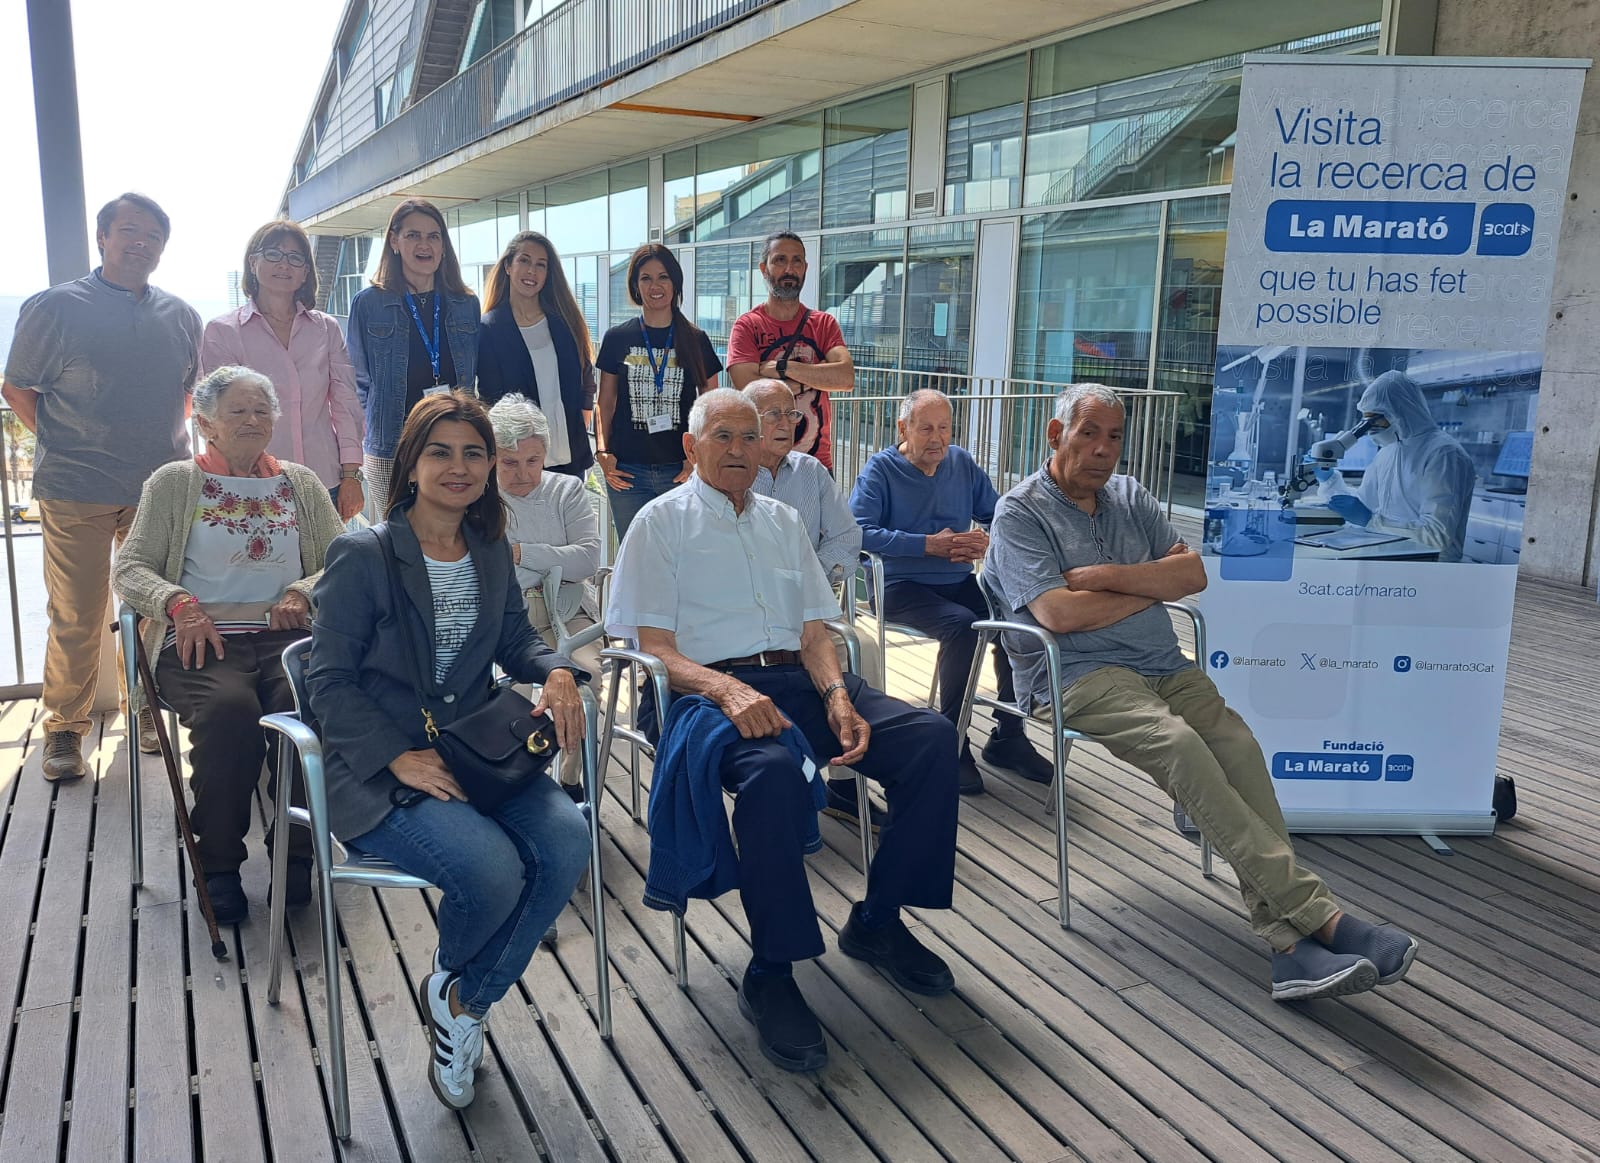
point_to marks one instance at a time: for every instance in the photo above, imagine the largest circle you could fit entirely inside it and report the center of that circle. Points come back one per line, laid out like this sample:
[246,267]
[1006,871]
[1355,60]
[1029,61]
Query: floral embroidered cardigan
[151,559]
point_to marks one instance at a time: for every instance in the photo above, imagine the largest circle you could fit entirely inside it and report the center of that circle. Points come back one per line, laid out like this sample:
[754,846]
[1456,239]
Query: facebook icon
[1402,663]
[1219,660]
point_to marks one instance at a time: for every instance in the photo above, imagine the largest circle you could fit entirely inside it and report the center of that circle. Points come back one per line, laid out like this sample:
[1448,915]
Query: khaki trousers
[78,540]
[587,657]
[1178,730]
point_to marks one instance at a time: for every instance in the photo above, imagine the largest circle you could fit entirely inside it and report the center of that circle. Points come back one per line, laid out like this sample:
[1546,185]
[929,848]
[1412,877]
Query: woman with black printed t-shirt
[651,370]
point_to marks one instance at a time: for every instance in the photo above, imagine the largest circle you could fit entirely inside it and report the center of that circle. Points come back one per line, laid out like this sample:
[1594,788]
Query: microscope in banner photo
[1321,462]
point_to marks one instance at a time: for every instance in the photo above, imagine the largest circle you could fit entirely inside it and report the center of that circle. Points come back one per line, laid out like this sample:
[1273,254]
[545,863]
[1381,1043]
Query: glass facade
[1122,236]
[865,157]
[983,138]
[1085,292]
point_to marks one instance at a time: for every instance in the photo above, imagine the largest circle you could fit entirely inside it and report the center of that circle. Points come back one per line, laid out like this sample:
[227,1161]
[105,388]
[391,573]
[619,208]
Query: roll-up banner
[1391,247]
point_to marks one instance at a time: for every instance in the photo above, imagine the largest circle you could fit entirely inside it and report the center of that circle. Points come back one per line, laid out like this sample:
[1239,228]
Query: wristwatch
[351,474]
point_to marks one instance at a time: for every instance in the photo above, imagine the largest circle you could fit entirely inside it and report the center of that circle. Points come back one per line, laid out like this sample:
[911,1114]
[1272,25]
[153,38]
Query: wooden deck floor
[1144,1033]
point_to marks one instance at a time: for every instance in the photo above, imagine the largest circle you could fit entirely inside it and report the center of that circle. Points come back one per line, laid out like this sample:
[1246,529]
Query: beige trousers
[1178,730]
[78,541]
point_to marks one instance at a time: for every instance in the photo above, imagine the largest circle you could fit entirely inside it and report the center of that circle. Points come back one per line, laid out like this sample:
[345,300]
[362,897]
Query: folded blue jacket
[691,847]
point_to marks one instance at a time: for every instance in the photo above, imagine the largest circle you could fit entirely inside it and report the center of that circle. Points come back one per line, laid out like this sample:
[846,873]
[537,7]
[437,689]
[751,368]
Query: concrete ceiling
[802,52]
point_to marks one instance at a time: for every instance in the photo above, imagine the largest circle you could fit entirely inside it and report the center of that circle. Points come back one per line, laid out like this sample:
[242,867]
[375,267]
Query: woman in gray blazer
[505,875]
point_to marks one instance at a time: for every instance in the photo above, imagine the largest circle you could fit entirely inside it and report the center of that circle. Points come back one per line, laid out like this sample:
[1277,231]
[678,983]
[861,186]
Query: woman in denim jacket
[413,332]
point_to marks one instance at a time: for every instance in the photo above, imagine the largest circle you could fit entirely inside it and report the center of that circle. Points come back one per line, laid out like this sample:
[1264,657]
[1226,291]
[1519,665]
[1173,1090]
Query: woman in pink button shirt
[279,333]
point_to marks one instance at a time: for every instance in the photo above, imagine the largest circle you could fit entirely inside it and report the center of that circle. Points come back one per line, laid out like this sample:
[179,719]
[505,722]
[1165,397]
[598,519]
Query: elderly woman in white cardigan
[220,561]
[551,523]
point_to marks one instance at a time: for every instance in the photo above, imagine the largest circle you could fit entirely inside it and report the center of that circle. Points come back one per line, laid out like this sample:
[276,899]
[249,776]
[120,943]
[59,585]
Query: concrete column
[1563,521]
[55,109]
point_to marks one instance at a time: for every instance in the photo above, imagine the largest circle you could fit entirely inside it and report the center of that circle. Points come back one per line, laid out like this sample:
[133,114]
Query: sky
[197,103]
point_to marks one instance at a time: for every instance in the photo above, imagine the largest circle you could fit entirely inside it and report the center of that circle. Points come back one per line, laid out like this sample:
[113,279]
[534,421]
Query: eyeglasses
[293,257]
[778,414]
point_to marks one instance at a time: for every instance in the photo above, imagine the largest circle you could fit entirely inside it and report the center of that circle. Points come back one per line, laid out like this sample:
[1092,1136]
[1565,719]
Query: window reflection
[758,181]
[576,215]
[630,214]
[938,312]
[1084,288]
[865,148]
[1191,293]
[725,284]
[983,138]
[863,284]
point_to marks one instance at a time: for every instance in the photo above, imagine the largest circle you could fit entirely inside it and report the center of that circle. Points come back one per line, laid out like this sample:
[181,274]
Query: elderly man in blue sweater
[917,504]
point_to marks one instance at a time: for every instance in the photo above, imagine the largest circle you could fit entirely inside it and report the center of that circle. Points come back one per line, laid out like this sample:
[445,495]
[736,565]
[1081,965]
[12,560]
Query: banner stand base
[1429,825]
[1440,848]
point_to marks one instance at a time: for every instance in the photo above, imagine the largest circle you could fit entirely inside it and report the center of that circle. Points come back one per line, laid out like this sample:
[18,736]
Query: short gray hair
[717,398]
[515,418]
[208,392]
[1073,395]
[921,396]
[755,389]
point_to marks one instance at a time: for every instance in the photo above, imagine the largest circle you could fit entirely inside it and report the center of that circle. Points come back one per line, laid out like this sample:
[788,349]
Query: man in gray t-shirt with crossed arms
[1089,556]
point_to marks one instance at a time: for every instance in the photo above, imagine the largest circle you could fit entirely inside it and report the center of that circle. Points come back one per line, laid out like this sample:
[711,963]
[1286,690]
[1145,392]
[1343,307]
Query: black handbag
[495,751]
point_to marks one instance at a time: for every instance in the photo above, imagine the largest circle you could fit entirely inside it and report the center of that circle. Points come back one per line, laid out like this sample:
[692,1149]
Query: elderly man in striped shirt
[800,481]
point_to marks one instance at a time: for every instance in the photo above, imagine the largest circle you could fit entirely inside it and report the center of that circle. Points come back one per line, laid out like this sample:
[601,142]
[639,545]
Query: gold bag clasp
[537,744]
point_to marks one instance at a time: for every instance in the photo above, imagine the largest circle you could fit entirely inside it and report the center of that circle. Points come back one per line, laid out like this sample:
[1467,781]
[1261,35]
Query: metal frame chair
[375,872]
[872,565]
[632,660]
[127,628]
[1061,735]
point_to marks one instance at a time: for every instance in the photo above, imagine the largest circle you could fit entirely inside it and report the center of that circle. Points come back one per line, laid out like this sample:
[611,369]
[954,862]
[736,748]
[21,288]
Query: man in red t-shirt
[781,339]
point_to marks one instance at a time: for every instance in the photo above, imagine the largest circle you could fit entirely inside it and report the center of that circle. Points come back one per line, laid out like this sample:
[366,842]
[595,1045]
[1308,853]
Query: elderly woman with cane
[220,562]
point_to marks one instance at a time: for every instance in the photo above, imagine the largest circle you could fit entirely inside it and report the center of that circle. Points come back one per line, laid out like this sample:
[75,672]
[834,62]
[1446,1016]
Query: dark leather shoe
[1015,753]
[969,780]
[894,951]
[790,1034]
[842,804]
[228,903]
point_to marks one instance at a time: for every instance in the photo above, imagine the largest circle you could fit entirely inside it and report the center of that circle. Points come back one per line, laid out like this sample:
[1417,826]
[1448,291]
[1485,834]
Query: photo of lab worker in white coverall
[1419,485]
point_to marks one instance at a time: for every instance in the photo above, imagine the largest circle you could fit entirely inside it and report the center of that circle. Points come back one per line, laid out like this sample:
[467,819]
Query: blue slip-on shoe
[1313,970]
[1390,950]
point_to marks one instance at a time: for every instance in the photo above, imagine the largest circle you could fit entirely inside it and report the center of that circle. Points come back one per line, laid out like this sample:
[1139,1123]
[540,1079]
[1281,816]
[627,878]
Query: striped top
[455,609]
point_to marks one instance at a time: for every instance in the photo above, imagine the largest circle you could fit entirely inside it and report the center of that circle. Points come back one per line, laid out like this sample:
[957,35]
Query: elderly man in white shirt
[721,584]
[551,524]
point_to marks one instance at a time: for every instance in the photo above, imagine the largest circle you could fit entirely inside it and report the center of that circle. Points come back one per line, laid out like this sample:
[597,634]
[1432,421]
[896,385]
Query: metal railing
[1001,422]
[578,47]
[24,556]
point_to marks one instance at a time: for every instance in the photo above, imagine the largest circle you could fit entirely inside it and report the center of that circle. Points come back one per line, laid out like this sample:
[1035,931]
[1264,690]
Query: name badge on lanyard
[661,418]
[432,346]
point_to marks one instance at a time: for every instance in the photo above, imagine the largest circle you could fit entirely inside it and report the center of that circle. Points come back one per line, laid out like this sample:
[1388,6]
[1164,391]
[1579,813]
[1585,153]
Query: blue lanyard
[659,370]
[432,348]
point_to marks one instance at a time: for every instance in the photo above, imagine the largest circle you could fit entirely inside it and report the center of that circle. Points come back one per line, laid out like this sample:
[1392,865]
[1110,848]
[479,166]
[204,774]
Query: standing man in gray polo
[99,371]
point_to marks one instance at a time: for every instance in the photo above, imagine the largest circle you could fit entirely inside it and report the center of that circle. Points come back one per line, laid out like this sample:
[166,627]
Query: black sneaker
[969,780]
[892,948]
[228,903]
[1015,753]
[576,793]
[789,1031]
[842,804]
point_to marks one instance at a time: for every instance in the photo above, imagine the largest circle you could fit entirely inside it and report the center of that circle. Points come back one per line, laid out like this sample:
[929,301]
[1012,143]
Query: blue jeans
[649,482]
[505,878]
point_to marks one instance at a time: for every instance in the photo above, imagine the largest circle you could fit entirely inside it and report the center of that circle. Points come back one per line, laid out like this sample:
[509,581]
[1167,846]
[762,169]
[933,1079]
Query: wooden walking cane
[169,757]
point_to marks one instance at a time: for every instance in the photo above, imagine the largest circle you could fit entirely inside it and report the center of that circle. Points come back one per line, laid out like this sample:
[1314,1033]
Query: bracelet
[828,690]
[186,600]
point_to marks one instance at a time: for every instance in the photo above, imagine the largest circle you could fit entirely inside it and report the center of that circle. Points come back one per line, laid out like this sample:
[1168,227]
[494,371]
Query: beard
[786,288]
